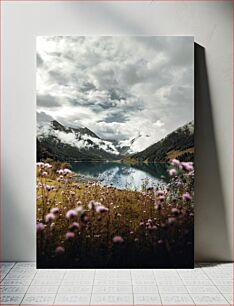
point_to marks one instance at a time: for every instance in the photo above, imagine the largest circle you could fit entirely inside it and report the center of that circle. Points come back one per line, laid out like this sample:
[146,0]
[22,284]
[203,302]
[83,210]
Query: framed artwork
[115,152]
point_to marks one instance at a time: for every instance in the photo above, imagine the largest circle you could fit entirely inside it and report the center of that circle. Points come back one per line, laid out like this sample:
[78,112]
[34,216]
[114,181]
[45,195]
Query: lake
[123,176]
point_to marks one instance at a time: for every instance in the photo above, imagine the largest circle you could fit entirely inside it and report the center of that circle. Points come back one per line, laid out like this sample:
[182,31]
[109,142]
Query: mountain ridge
[177,144]
[56,141]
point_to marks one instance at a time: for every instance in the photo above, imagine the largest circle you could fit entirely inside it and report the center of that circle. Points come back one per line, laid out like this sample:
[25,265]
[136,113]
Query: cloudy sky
[118,87]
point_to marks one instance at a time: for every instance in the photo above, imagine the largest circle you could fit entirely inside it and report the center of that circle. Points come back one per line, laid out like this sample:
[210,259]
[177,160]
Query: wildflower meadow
[87,225]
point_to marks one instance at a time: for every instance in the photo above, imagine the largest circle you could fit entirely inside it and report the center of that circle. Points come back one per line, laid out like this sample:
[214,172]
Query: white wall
[211,24]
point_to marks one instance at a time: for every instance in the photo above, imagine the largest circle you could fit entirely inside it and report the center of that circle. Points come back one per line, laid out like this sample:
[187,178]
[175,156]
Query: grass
[177,153]
[151,228]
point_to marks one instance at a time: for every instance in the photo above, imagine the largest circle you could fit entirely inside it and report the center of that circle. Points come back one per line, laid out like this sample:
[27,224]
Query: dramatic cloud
[119,87]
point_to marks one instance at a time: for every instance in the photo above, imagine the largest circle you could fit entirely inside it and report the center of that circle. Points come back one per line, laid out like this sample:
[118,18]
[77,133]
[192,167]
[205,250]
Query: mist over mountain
[58,142]
[178,144]
[72,144]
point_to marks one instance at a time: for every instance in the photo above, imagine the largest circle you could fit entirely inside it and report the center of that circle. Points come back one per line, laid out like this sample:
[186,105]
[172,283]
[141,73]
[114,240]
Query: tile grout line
[216,285]
[1,293]
[155,278]
[91,295]
[133,299]
[28,287]
[201,271]
[65,272]
[14,263]
[186,286]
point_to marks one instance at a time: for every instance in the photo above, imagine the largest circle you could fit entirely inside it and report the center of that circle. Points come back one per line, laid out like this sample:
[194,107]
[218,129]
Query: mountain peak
[58,126]
[177,144]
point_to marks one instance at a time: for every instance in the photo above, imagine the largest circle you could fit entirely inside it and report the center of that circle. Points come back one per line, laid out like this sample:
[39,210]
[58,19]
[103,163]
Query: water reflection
[123,176]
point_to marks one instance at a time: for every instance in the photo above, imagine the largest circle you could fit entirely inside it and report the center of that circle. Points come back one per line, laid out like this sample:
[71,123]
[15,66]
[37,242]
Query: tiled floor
[207,284]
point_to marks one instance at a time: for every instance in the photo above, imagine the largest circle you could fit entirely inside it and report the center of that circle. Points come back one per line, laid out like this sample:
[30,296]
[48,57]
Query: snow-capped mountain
[178,144]
[136,144]
[73,144]
[66,143]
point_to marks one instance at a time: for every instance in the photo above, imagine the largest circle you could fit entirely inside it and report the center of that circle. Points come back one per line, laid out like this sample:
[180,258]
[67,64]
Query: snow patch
[76,139]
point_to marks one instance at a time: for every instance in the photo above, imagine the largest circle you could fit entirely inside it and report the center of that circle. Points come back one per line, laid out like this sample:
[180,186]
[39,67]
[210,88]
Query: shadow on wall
[211,233]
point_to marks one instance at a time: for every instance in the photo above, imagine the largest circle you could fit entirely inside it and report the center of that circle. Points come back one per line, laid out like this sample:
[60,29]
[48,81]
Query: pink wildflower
[79,209]
[118,239]
[54,210]
[40,227]
[187,197]
[71,214]
[175,211]
[160,192]
[74,226]
[67,171]
[52,225]
[161,198]
[91,204]
[172,172]
[47,187]
[175,162]
[47,165]
[101,209]
[188,166]
[59,250]
[49,217]
[69,235]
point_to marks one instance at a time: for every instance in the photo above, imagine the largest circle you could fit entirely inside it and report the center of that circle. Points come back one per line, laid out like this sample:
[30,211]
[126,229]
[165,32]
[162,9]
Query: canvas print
[115,152]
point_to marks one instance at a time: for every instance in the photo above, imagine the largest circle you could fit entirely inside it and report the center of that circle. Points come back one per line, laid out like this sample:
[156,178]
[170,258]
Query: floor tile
[147,299]
[143,282]
[43,289]
[78,276]
[48,278]
[145,289]
[207,285]
[13,289]
[78,282]
[26,264]
[112,299]
[65,289]
[72,299]
[196,282]
[45,282]
[20,276]
[209,299]
[3,275]
[229,297]
[82,273]
[4,270]
[169,282]
[164,289]
[176,299]
[113,271]
[16,282]
[38,299]
[11,299]
[110,278]
[112,289]
[225,289]
[222,282]
[114,282]
[202,289]
[7,263]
